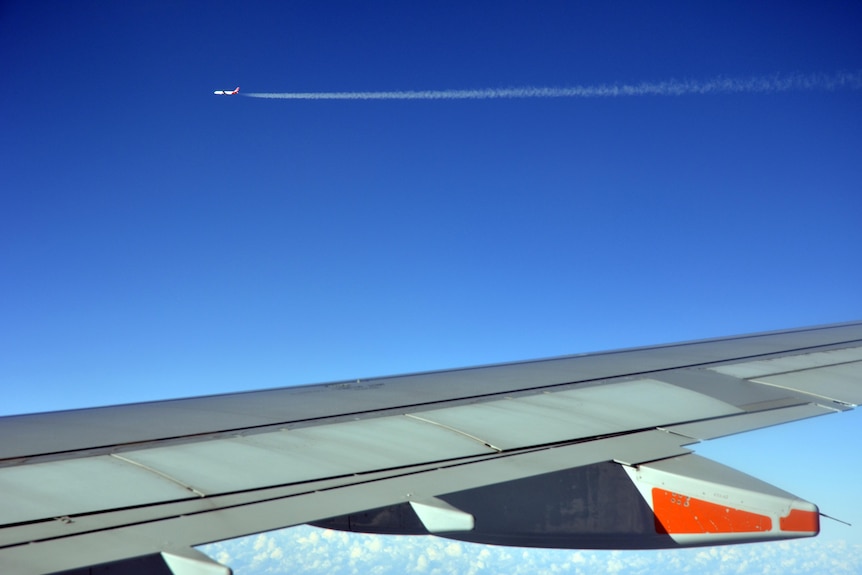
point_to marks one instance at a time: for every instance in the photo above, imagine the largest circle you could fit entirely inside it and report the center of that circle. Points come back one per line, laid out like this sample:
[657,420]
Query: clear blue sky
[159,241]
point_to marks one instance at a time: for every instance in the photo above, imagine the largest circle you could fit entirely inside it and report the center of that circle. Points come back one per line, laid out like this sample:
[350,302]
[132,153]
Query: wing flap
[841,383]
[69,487]
[176,472]
[714,428]
[835,375]
[578,413]
[790,363]
[306,454]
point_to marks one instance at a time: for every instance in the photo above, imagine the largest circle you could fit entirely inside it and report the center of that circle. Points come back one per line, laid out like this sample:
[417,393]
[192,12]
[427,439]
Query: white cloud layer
[307,550]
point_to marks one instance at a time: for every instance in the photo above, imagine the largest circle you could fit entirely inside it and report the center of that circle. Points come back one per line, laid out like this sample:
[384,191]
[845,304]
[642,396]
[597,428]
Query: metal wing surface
[598,442]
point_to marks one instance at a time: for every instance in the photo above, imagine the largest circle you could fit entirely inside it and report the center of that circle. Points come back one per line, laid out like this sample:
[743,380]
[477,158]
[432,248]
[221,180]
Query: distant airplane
[227,92]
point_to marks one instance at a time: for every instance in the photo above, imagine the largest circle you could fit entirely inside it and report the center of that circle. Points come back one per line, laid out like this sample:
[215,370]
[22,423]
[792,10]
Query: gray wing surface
[148,481]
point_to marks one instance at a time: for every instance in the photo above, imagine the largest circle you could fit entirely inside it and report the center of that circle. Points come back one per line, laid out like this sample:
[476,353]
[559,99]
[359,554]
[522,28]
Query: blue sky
[159,241]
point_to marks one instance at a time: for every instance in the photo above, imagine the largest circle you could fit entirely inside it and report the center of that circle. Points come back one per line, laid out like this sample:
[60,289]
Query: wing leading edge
[459,453]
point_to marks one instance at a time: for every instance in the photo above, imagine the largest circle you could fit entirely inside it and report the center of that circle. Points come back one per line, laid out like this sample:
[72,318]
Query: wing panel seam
[799,370]
[819,396]
[455,430]
[161,474]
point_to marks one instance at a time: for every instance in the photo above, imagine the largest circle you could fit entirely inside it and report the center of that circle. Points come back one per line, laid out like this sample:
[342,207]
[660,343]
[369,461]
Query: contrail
[720,85]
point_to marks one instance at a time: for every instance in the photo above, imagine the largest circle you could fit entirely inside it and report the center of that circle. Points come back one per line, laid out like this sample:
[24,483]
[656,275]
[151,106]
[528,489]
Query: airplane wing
[585,451]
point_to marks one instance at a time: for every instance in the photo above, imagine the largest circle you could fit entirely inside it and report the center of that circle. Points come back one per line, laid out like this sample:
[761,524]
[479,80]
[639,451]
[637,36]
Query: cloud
[453,550]
[311,551]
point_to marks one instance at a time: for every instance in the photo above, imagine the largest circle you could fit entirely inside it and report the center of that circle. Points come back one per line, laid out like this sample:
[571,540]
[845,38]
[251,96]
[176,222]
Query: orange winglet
[801,520]
[676,513]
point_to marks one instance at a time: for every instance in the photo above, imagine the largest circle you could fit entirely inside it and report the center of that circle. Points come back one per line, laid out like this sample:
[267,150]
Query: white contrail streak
[721,85]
